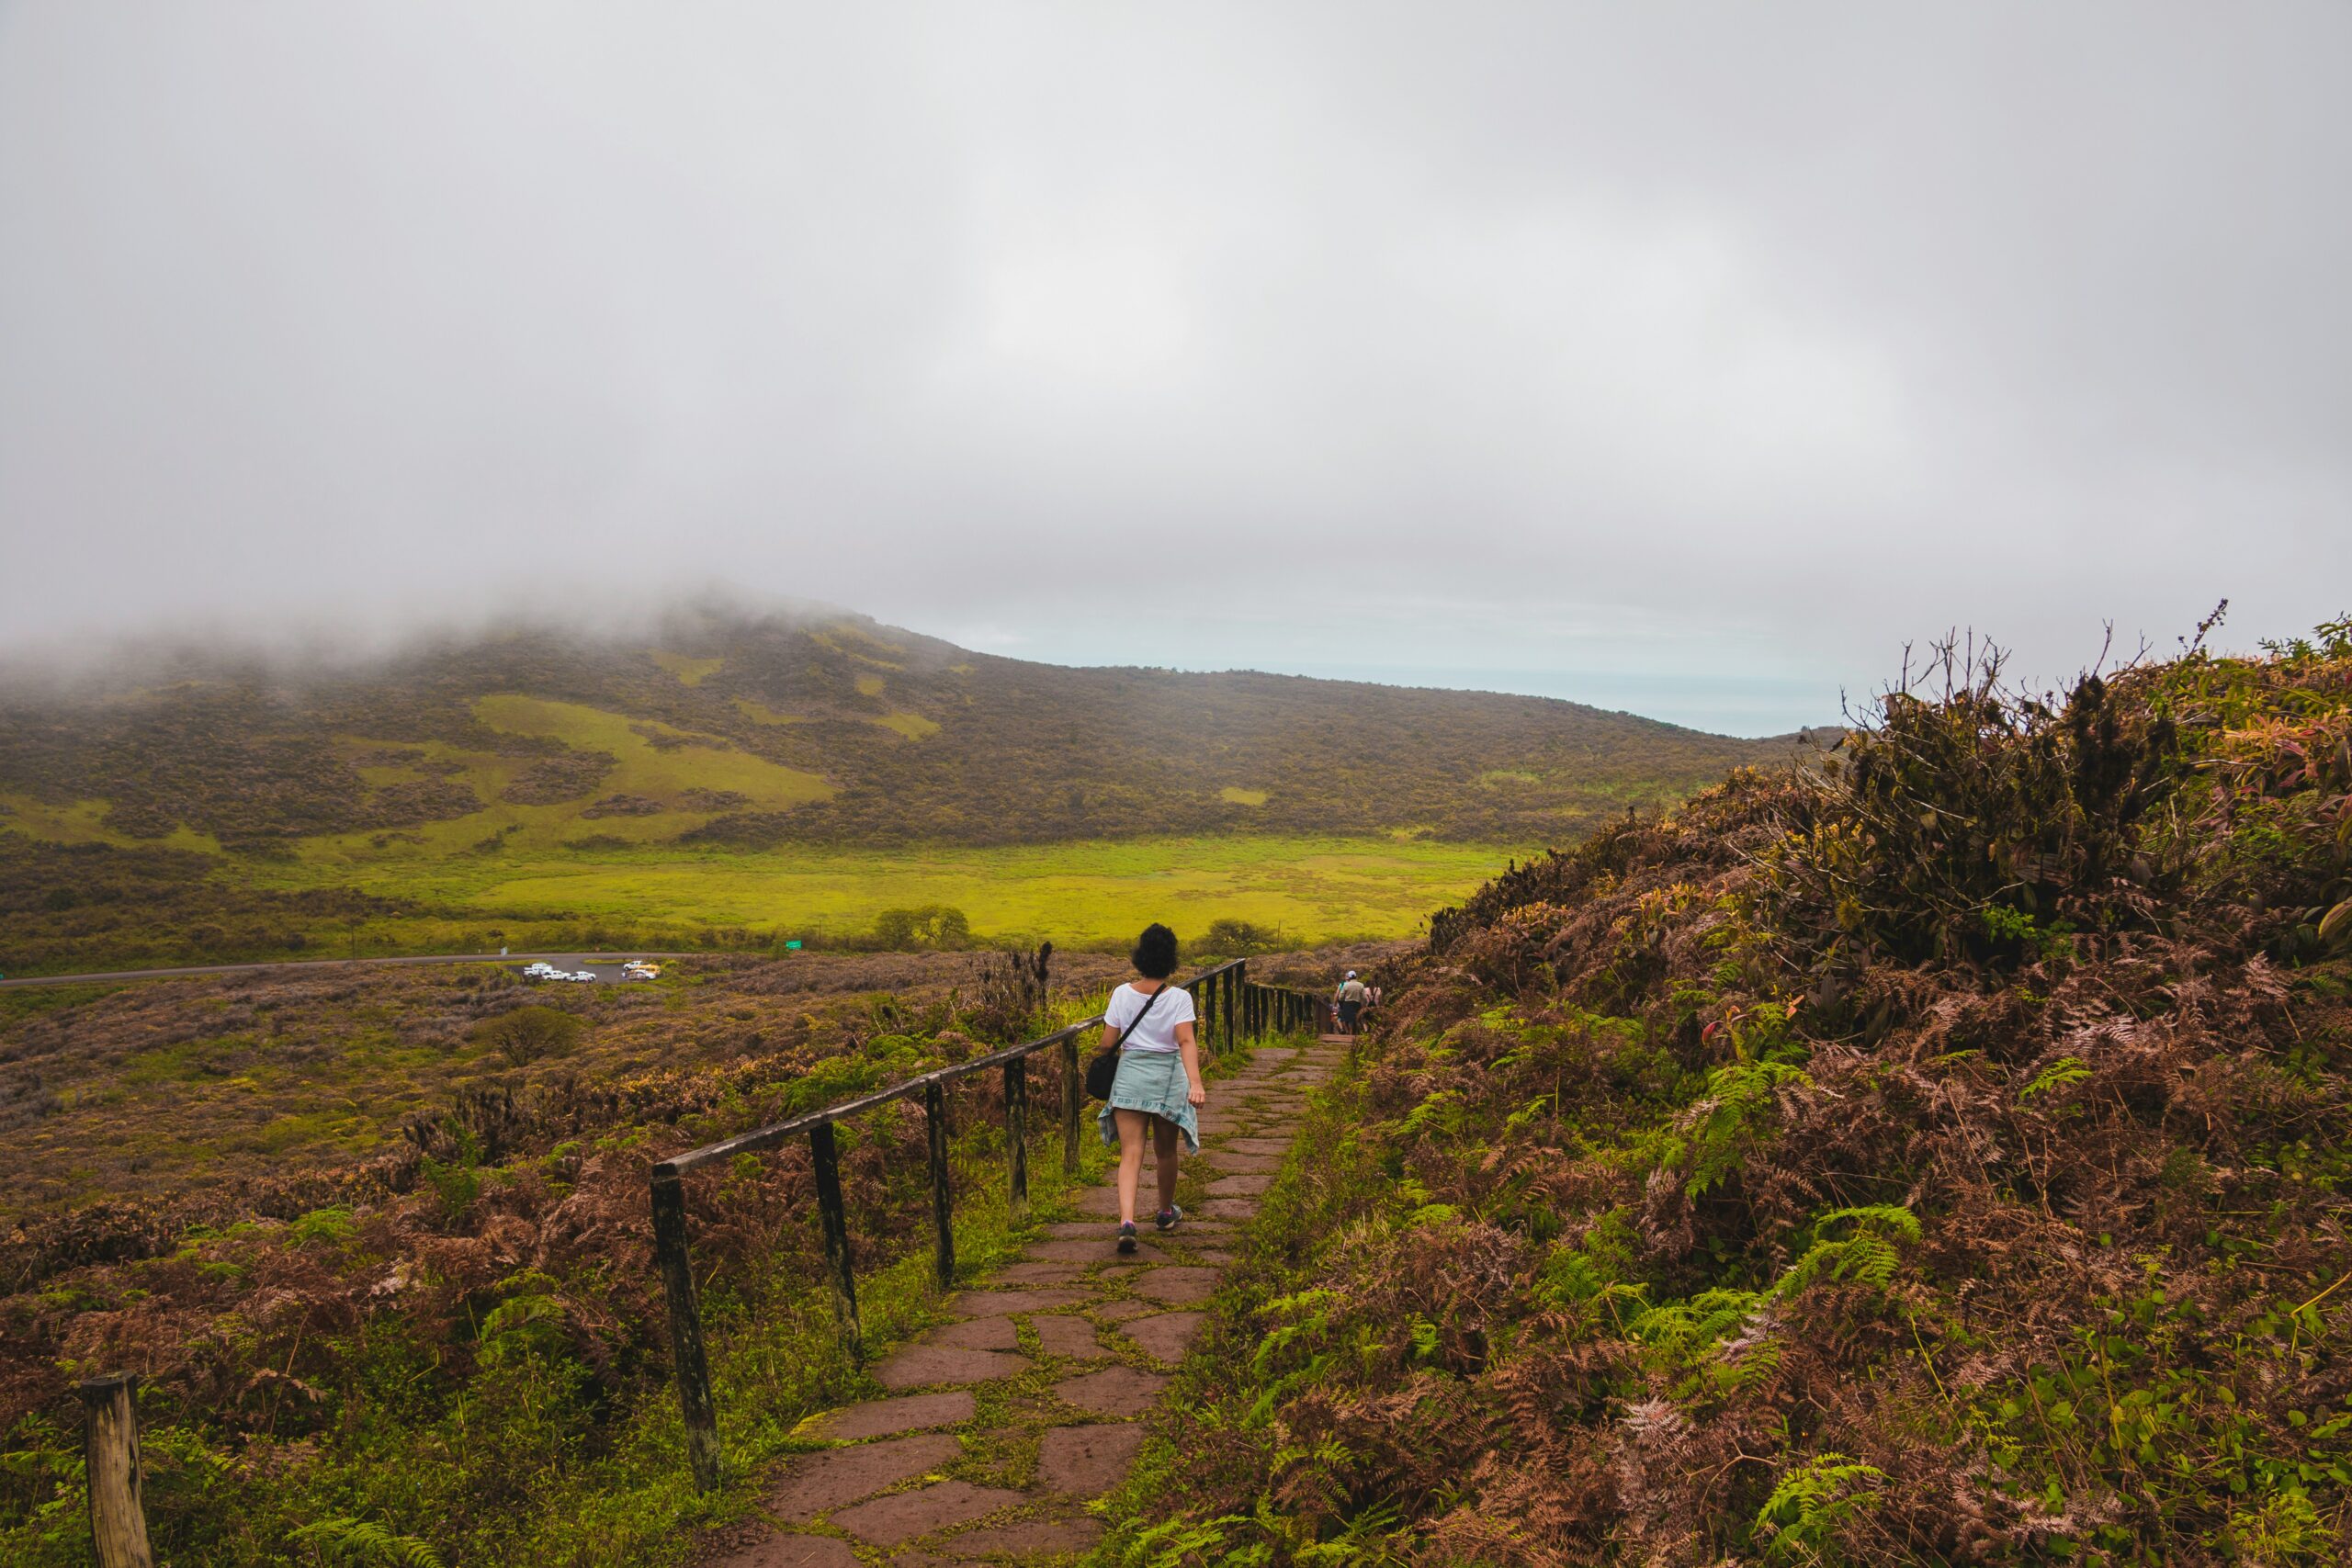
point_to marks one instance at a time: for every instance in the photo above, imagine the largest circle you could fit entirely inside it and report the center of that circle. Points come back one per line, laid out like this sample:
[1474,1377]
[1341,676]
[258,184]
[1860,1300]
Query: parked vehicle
[583,974]
[641,969]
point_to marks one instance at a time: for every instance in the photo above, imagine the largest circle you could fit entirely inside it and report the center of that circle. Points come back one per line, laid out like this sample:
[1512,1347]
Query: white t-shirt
[1157,1031]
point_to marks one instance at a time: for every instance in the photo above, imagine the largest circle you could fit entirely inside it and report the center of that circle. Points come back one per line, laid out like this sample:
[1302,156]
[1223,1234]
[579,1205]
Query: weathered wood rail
[1231,1009]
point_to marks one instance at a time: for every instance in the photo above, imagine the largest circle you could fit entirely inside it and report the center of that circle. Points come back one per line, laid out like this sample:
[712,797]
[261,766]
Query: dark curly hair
[1154,953]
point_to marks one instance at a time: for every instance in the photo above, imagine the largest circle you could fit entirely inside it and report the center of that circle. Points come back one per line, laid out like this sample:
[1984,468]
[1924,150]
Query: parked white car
[542,970]
[639,969]
[583,974]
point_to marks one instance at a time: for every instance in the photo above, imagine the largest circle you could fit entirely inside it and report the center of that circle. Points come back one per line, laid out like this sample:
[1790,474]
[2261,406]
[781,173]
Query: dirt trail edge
[1003,1424]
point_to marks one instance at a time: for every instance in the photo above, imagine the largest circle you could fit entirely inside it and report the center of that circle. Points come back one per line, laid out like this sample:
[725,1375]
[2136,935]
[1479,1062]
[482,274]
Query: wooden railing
[1231,1009]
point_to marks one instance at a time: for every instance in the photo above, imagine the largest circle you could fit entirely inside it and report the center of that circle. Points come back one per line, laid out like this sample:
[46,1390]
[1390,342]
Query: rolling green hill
[747,771]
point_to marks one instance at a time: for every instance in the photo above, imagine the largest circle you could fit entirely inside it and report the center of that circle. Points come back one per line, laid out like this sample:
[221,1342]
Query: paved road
[599,961]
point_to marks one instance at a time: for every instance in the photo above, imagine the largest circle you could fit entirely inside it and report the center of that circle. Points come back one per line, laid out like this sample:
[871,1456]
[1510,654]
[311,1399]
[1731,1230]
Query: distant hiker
[1351,1000]
[1158,1089]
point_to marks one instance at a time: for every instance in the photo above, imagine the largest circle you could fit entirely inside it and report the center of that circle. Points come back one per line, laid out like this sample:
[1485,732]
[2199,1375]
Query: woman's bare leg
[1165,1142]
[1131,1135]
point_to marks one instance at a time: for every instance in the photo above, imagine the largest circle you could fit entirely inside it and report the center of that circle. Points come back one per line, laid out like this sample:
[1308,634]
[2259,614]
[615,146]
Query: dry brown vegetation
[358,1253]
[128,1116]
[1942,1158]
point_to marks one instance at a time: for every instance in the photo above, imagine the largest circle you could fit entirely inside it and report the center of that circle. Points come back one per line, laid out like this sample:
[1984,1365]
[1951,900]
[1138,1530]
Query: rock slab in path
[990,1303]
[1247,1184]
[920,1364]
[886,1521]
[1070,1337]
[979,1333]
[1165,1336]
[1086,1462]
[886,1417]
[1114,1312]
[793,1551]
[813,1484]
[1115,1391]
[1044,1272]
[1179,1284]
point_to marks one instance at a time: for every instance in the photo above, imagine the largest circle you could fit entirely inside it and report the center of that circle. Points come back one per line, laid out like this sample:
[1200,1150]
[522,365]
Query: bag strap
[1130,1029]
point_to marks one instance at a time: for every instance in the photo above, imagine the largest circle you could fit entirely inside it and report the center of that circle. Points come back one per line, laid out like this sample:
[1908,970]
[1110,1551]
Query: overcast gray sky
[1688,358]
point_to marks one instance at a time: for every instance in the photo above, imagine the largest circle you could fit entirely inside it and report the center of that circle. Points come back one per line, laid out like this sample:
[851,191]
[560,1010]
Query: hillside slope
[1942,1158]
[749,731]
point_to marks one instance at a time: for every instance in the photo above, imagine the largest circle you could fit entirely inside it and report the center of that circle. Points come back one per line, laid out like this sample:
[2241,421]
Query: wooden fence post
[685,1327]
[1016,1137]
[1225,996]
[943,1211]
[1073,1105]
[834,1216]
[110,1458]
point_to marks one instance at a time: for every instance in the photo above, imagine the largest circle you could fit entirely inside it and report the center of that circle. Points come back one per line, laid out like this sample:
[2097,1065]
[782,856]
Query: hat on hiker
[1351,974]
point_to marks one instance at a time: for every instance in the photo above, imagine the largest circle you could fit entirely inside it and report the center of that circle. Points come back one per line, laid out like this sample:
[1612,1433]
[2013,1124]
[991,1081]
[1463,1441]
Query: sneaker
[1127,1236]
[1167,1218]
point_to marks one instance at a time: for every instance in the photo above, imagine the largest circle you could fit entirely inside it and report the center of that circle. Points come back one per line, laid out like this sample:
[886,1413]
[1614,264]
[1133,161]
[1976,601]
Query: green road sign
[792,947]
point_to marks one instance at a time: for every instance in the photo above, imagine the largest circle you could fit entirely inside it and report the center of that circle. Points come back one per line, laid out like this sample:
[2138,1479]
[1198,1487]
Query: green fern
[1176,1540]
[1866,1255]
[1692,1326]
[363,1541]
[1811,1503]
[2057,1075]
[1738,1097]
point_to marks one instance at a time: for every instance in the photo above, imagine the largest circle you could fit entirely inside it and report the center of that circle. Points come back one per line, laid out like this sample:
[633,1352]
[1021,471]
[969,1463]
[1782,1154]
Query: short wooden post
[1016,1137]
[1225,999]
[1073,1105]
[832,1215]
[1219,1044]
[685,1327]
[942,1209]
[110,1458]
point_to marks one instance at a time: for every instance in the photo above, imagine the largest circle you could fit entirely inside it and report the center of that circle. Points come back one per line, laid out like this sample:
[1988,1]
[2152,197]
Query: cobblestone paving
[1004,1423]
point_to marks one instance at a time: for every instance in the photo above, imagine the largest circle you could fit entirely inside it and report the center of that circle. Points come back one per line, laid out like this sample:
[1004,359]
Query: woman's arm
[1199,1094]
[1110,1038]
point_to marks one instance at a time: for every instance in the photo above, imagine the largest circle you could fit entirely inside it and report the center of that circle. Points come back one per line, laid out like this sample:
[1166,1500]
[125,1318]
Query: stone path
[1003,1423]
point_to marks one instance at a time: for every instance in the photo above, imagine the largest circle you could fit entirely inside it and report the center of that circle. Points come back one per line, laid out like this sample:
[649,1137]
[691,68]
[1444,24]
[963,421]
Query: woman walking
[1159,1087]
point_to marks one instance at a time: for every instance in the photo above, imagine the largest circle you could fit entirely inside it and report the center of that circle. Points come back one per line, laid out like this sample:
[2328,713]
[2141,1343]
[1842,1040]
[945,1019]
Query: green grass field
[1309,888]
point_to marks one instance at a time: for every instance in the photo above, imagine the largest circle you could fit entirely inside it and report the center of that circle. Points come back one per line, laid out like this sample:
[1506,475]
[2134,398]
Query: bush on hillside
[528,1033]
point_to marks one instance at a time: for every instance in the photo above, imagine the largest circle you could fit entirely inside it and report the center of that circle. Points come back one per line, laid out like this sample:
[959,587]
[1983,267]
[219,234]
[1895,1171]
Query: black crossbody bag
[1101,1071]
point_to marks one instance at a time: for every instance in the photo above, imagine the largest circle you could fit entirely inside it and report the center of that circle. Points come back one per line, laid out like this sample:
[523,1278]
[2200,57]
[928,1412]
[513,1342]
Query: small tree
[1238,938]
[528,1033]
[938,926]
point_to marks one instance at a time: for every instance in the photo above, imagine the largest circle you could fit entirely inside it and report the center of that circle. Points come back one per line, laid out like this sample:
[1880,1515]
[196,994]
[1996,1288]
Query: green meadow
[1309,888]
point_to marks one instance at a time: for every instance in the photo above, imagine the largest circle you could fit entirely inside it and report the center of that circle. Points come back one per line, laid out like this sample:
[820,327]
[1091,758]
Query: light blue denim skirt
[1153,1081]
